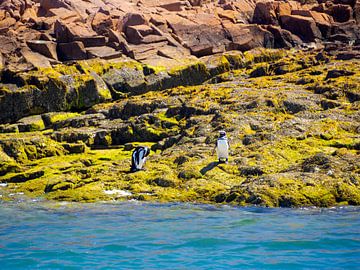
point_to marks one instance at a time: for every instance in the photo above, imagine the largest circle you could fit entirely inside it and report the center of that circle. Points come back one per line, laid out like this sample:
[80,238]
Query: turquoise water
[39,235]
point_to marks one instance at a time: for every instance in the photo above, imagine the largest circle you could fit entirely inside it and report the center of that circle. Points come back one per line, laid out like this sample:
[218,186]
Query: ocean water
[133,235]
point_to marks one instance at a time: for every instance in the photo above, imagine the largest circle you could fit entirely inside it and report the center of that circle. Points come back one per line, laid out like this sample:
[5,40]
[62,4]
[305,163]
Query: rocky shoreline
[84,82]
[292,116]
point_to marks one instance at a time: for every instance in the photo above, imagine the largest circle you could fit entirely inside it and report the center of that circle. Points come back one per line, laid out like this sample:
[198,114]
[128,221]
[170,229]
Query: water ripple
[46,235]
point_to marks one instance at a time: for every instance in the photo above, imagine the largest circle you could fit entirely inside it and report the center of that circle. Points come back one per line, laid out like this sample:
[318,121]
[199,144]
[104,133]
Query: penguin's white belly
[141,163]
[222,149]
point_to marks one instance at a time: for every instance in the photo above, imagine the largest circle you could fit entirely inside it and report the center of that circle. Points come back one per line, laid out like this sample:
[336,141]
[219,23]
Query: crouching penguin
[138,158]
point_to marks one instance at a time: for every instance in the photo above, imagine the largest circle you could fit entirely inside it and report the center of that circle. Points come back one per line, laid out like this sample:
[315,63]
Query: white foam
[3,184]
[118,192]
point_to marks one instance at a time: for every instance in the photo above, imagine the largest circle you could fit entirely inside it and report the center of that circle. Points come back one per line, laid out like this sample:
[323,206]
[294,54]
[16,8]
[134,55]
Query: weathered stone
[66,33]
[322,20]
[125,80]
[49,4]
[136,33]
[8,45]
[335,73]
[46,48]
[341,13]
[103,53]
[35,59]
[247,37]
[303,27]
[101,23]
[131,19]
[283,38]
[264,13]
[72,51]
[31,123]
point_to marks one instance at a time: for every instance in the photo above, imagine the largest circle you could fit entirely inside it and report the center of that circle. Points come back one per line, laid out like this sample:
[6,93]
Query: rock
[49,4]
[136,33]
[323,21]
[348,55]
[103,53]
[72,51]
[303,27]
[356,10]
[92,41]
[8,45]
[318,161]
[131,19]
[23,177]
[283,38]
[205,38]
[79,121]
[247,37]
[65,15]
[66,33]
[101,23]
[2,62]
[74,148]
[264,13]
[117,38]
[46,48]
[341,13]
[7,23]
[251,171]
[162,182]
[173,5]
[31,123]
[283,8]
[35,59]
[335,73]
[297,105]
[125,80]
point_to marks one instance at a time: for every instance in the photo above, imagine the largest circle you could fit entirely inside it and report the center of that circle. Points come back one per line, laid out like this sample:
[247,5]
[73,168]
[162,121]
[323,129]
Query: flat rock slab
[103,52]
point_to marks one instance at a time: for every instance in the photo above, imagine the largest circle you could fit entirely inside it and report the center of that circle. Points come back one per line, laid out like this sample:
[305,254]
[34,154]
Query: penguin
[222,147]
[138,158]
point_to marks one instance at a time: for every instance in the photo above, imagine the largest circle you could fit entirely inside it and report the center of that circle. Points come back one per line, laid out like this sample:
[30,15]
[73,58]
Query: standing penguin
[138,158]
[222,147]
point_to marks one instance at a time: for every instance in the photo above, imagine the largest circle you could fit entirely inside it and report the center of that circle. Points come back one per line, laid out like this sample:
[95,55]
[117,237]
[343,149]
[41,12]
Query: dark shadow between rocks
[209,167]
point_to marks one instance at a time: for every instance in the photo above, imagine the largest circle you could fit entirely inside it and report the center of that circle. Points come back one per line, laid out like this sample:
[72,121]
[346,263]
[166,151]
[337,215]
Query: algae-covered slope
[293,121]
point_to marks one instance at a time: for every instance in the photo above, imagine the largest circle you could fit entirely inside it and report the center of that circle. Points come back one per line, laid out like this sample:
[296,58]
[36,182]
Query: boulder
[49,4]
[303,27]
[247,37]
[101,23]
[31,123]
[136,33]
[46,48]
[264,13]
[8,45]
[283,38]
[7,22]
[173,5]
[66,33]
[131,19]
[72,51]
[119,42]
[204,37]
[66,15]
[323,21]
[35,59]
[283,8]
[341,13]
[356,10]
